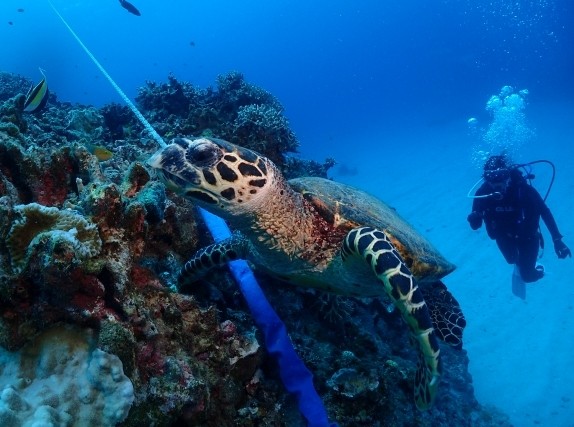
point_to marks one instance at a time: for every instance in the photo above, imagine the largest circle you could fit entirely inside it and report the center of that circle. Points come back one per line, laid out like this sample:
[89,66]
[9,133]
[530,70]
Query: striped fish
[37,96]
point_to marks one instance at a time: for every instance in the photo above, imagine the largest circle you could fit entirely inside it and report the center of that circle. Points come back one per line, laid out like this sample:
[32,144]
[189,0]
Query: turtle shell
[346,206]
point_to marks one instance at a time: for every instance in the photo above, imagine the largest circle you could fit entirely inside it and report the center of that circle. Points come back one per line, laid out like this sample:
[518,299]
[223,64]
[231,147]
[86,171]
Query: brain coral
[61,379]
[35,220]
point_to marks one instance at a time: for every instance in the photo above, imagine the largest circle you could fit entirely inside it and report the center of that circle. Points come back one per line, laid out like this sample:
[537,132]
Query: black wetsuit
[512,219]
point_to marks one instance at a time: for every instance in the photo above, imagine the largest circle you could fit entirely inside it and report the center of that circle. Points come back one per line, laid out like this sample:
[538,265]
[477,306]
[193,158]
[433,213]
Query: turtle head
[215,174]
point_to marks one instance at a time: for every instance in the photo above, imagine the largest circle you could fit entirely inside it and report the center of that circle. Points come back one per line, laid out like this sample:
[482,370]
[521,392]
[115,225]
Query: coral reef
[295,167]
[236,111]
[266,128]
[13,84]
[117,119]
[85,121]
[96,244]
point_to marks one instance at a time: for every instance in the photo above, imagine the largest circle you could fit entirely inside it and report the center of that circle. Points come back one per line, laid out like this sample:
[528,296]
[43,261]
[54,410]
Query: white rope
[130,104]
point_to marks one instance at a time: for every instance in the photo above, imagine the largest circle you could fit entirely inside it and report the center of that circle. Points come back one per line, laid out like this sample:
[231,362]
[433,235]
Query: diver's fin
[518,284]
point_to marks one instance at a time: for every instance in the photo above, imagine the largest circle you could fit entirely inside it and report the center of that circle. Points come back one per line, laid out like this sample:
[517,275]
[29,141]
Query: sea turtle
[316,233]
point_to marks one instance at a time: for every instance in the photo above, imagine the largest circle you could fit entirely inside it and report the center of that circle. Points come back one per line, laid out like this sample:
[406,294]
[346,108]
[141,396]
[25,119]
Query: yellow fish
[102,153]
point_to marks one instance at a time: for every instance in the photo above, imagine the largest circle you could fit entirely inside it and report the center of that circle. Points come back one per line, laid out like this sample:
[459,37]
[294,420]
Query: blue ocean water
[382,86]
[335,65]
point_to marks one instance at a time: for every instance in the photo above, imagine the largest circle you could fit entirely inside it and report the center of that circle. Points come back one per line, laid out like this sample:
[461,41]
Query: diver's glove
[561,249]
[475,220]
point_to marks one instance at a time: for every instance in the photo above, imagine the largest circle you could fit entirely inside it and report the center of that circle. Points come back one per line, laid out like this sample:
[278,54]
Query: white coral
[60,379]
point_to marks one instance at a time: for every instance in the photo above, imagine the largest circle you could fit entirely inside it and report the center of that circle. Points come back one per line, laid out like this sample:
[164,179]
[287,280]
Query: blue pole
[296,378]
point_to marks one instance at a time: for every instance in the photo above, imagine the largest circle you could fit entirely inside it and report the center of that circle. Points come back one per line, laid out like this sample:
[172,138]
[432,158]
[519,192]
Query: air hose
[528,176]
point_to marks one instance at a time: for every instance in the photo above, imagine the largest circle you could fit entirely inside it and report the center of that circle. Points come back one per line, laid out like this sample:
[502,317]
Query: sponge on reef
[37,220]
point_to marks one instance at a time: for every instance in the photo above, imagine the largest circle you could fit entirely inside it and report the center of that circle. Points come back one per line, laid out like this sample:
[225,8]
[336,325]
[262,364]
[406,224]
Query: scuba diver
[511,210]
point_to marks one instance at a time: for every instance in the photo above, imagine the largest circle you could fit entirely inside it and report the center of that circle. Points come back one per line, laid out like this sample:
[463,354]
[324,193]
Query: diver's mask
[496,176]
[498,180]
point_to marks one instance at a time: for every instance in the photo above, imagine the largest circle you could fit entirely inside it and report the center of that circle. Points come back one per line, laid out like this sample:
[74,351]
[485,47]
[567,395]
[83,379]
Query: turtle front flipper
[377,250]
[215,255]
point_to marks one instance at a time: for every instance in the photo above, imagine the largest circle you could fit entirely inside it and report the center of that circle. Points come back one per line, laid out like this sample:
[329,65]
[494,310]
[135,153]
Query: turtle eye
[202,155]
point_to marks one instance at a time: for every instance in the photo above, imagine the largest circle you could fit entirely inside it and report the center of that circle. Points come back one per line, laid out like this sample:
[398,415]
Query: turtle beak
[155,160]
[170,166]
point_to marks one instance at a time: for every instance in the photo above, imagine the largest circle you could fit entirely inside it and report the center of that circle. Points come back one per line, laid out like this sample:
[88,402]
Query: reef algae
[192,360]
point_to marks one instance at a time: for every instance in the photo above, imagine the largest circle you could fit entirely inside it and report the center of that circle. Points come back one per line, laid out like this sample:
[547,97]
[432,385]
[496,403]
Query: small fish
[37,96]
[10,23]
[130,7]
[102,153]
[20,10]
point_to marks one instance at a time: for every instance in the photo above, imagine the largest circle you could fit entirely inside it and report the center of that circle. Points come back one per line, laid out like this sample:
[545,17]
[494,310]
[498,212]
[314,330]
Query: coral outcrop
[236,111]
[52,228]
[59,378]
